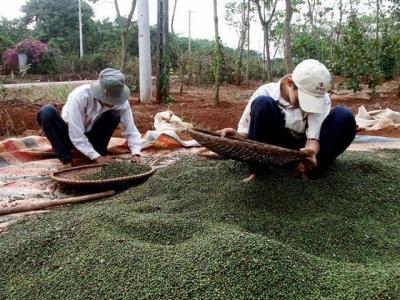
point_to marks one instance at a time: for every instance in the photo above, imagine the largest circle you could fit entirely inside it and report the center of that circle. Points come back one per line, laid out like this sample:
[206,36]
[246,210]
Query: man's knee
[343,117]
[263,104]
[46,113]
[112,116]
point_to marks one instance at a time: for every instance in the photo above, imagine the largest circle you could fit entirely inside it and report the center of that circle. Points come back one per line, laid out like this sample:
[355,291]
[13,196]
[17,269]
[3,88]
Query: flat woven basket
[242,149]
[71,177]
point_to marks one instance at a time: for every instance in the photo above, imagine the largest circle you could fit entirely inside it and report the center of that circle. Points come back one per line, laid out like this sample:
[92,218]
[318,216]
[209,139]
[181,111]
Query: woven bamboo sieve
[71,177]
[246,150]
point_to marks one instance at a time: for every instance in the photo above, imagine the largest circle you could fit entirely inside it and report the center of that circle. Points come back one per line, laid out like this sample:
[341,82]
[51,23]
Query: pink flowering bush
[10,58]
[32,48]
[36,51]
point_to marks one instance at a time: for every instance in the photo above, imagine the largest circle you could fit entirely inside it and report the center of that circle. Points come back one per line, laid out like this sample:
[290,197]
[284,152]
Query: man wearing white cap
[296,113]
[89,118]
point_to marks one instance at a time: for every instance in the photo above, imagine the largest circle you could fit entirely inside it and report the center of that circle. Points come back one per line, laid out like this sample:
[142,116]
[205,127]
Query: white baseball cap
[312,79]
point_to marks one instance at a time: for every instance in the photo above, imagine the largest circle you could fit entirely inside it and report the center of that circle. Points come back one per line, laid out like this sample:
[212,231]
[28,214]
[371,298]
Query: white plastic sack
[377,119]
[167,120]
[166,123]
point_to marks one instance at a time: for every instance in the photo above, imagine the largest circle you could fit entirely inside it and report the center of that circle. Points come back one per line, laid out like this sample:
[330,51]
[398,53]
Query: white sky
[202,18]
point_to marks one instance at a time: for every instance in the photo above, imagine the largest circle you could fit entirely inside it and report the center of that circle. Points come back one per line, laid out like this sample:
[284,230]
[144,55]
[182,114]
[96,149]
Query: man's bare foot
[66,165]
[250,178]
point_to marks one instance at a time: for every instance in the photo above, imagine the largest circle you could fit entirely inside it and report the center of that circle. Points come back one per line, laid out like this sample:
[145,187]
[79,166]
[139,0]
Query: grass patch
[42,94]
[194,231]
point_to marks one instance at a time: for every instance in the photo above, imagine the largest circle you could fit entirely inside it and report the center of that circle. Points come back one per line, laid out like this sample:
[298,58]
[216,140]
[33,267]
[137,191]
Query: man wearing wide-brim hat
[89,118]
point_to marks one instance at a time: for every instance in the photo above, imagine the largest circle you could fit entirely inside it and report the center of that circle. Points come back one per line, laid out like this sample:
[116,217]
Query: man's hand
[250,178]
[230,132]
[136,159]
[66,165]
[104,159]
[308,164]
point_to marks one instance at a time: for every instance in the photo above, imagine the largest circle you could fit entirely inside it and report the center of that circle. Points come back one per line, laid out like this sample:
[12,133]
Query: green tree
[217,61]
[389,49]
[11,32]
[124,24]
[56,22]
[236,17]
[354,58]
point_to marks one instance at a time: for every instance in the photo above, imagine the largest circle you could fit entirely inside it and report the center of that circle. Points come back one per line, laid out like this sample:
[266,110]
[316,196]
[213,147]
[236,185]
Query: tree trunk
[124,33]
[242,40]
[178,50]
[124,50]
[398,91]
[377,22]
[339,30]
[239,63]
[268,54]
[162,58]
[266,24]
[217,56]
[332,34]
[248,42]
[288,37]
[352,12]
[264,55]
[311,10]
[173,17]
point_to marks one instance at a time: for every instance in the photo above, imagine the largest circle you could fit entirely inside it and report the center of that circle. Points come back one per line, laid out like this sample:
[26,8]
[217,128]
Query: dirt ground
[195,105]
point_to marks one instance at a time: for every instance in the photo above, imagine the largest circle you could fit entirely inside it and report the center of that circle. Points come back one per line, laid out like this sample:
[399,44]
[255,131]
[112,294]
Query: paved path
[369,142]
[42,84]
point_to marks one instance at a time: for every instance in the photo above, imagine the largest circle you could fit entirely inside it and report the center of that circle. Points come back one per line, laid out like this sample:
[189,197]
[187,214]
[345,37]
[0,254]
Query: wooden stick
[50,203]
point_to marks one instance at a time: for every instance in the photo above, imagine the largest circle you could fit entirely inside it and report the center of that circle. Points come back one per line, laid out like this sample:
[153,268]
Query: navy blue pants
[56,130]
[267,125]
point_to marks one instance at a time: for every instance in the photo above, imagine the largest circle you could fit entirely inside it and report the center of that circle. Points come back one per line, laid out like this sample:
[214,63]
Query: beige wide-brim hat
[312,79]
[110,88]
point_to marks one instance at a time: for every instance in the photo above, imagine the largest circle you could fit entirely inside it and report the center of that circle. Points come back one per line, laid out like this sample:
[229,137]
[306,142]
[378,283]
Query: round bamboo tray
[246,150]
[71,177]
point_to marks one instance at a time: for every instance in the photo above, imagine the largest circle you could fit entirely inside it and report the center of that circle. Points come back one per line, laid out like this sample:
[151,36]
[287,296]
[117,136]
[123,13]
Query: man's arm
[76,130]
[310,163]
[244,122]
[131,132]
[231,132]
[312,148]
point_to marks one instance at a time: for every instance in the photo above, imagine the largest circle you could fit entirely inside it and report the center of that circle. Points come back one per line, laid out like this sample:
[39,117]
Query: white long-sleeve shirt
[81,111]
[297,121]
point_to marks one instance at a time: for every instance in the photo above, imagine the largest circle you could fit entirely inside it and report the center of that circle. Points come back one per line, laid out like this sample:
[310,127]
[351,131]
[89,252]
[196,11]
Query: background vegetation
[357,40]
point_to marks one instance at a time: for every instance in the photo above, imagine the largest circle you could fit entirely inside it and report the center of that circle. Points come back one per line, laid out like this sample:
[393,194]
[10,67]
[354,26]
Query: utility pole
[248,42]
[80,29]
[190,22]
[144,51]
[190,31]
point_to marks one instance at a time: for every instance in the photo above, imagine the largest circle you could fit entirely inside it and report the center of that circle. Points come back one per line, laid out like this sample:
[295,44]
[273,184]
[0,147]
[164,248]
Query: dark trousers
[56,130]
[267,125]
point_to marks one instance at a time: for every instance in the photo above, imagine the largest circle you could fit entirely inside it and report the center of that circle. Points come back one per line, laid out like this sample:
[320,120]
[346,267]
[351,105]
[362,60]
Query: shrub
[88,63]
[132,74]
[10,61]
[41,59]
[355,57]
[32,48]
